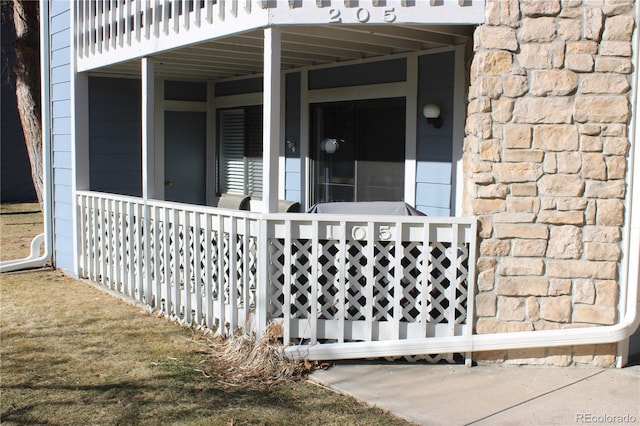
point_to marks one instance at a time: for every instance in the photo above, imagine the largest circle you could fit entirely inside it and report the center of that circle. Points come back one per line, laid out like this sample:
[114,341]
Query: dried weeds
[251,362]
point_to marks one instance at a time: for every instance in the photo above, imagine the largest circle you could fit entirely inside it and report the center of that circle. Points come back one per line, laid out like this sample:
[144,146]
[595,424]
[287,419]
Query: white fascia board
[393,12]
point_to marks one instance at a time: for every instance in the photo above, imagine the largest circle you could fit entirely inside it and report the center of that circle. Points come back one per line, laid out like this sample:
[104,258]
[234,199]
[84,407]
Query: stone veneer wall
[546,154]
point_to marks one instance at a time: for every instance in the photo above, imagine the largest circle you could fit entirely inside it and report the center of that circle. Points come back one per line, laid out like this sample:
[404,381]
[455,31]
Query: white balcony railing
[112,31]
[325,278]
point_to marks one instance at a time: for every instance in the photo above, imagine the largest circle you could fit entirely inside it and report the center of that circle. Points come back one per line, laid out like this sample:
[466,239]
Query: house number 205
[362,15]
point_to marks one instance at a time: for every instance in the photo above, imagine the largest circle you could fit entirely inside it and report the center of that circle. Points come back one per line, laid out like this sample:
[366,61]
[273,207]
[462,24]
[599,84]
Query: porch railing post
[262,286]
[271,119]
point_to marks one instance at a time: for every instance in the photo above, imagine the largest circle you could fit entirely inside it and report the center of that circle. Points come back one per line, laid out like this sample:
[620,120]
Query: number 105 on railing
[361,232]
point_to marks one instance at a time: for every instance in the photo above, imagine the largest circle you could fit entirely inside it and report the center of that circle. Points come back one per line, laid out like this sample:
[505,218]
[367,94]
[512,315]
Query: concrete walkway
[487,395]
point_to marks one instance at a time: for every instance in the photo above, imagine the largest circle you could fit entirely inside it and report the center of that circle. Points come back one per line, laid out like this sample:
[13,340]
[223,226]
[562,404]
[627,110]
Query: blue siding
[115,134]
[60,89]
[434,146]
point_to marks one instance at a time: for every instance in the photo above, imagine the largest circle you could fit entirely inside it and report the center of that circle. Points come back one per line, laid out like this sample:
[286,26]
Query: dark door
[185,157]
[358,150]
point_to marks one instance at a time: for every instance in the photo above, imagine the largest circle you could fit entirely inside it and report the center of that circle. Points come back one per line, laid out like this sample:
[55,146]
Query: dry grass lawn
[73,355]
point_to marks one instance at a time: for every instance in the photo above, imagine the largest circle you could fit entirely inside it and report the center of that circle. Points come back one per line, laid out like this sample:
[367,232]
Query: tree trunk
[27,71]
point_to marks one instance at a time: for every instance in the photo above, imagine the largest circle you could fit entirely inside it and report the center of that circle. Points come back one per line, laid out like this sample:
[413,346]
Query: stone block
[553,82]
[618,28]
[592,23]
[515,86]
[569,29]
[494,248]
[567,204]
[479,125]
[486,280]
[591,143]
[532,307]
[590,213]
[616,130]
[498,37]
[550,164]
[493,191]
[527,231]
[616,167]
[487,206]
[509,217]
[534,356]
[485,228]
[613,64]
[603,234]
[510,266]
[579,62]
[482,178]
[616,146]
[523,204]
[536,56]
[610,213]
[537,30]
[607,293]
[615,48]
[548,110]
[583,354]
[522,156]
[490,150]
[485,263]
[529,248]
[561,185]
[559,137]
[584,291]
[595,314]
[559,287]
[556,309]
[568,162]
[524,189]
[607,189]
[602,251]
[517,136]
[553,217]
[605,356]
[594,166]
[486,305]
[522,286]
[604,83]
[601,109]
[582,269]
[517,172]
[491,326]
[534,8]
[590,129]
[492,12]
[495,62]
[582,47]
[490,86]
[502,110]
[511,309]
[617,7]
[565,242]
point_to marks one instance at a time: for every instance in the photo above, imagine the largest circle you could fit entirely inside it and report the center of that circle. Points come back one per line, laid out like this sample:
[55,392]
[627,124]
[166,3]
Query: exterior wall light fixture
[330,145]
[432,113]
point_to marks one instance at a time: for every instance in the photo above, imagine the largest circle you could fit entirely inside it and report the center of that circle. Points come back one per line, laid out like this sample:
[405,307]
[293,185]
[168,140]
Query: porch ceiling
[302,46]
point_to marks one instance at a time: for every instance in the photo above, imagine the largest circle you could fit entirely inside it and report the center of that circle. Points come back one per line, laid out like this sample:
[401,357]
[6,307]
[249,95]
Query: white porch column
[271,120]
[148,129]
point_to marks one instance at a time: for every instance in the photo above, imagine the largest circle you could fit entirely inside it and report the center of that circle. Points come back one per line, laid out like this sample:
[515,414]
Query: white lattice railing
[326,278]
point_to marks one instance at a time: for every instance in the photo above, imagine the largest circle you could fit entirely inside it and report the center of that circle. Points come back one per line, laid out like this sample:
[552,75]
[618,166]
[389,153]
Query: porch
[329,280]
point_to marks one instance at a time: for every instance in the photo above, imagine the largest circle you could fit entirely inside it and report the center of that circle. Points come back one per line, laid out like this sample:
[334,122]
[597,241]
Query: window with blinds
[240,151]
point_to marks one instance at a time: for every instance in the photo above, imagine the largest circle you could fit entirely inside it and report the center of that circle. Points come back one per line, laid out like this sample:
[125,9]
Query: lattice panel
[328,286]
[355,288]
[300,284]
[384,253]
[253,271]
[276,281]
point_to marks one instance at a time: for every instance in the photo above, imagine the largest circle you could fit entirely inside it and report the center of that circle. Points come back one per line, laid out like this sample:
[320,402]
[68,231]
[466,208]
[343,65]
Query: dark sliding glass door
[358,150]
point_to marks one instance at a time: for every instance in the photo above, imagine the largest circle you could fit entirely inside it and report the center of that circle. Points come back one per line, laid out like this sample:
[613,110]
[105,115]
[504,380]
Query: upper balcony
[116,31]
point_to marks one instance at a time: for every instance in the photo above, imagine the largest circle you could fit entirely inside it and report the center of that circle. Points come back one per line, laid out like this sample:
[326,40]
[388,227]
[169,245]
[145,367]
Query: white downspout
[629,281]
[34,260]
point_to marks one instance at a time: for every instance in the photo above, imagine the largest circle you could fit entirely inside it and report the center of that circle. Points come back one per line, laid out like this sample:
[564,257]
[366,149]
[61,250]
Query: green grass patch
[71,355]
